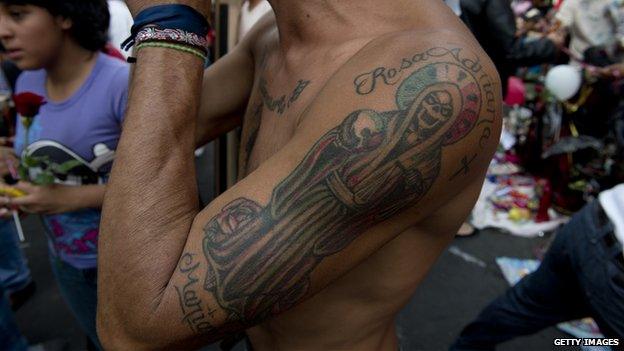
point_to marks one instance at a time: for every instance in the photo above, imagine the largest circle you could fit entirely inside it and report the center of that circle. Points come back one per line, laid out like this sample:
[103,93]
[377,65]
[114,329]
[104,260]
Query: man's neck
[311,22]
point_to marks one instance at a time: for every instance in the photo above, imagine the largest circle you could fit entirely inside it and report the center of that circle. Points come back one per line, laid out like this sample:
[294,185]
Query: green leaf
[44,178]
[29,161]
[23,172]
[36,161]
[65,167]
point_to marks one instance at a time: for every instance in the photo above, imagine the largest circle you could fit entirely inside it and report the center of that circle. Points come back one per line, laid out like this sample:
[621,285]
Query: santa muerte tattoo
[369,168]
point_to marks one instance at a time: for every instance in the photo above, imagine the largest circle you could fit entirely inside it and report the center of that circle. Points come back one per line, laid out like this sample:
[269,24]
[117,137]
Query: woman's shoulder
[113,72]
[113,65]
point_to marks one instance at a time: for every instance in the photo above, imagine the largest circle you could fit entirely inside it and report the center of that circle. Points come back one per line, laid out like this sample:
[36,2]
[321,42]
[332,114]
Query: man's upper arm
[225,92]
[396,133]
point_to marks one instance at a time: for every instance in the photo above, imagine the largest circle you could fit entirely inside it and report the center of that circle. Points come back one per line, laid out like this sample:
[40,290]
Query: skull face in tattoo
[437,108]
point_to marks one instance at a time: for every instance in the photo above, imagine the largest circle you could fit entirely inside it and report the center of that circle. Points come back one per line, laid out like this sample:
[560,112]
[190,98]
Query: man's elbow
[151,333]
[115,335]
[129,331]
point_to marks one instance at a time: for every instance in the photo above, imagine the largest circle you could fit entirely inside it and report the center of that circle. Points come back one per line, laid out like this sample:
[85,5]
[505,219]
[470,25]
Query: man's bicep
[378,142]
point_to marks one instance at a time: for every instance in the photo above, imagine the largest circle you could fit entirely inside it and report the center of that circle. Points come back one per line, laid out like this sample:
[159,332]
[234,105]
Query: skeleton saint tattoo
[369,168]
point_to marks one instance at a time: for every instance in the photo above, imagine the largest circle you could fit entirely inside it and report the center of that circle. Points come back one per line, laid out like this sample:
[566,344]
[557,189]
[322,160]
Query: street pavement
[453,293]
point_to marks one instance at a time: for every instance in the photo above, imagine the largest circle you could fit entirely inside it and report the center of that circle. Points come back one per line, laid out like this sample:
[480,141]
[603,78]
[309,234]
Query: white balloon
[564,81]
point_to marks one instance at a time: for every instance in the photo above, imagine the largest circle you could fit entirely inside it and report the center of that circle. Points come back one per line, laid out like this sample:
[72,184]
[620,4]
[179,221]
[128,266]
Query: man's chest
[283,91]
[275,109]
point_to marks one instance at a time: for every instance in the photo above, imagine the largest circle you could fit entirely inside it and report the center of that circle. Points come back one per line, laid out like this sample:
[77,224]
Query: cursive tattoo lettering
[195,316]
[281,104]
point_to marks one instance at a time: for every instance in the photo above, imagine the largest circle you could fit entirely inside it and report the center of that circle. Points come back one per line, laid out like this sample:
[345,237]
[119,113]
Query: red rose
[27,104]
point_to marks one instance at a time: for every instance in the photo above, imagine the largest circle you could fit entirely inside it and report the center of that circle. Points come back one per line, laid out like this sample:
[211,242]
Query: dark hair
[90,18]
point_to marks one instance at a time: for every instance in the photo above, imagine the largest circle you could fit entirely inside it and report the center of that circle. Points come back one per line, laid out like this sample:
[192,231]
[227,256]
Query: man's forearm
[152,196]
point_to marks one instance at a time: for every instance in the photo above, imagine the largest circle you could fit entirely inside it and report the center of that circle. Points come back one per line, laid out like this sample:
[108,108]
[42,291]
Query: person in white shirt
[120,23]
[590,23]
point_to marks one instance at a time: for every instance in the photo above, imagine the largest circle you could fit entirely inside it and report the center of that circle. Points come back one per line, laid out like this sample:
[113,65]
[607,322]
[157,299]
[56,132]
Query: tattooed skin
[192,307]
[250,132]
[281,104]
[369,168]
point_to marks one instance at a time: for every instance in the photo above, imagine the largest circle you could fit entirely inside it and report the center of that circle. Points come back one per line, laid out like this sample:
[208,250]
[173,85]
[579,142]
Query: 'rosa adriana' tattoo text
[367,82]
[370,167]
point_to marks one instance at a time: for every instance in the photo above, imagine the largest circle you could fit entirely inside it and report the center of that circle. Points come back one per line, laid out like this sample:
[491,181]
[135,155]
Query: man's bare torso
[357,311]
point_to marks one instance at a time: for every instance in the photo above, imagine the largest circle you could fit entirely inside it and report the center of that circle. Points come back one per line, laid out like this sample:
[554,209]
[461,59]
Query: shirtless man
[368,129]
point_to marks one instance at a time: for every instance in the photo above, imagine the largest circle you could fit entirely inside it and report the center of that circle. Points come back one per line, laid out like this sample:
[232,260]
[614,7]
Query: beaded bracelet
[178,47]
[172,36]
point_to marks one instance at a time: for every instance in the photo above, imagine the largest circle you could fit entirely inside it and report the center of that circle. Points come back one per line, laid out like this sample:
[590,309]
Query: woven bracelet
[170,16]
[177,36]
[177,47]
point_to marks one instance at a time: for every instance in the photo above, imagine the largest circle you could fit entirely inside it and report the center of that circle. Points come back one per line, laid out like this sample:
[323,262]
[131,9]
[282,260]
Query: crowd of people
[60,48]
[581,274]
[56,164]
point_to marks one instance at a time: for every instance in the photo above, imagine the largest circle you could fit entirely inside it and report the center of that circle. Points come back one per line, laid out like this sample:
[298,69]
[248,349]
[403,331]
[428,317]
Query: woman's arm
[57,198]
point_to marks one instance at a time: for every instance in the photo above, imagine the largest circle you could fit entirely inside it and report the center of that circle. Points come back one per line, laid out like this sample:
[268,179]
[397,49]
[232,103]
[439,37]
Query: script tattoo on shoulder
[367,82]
[369,168]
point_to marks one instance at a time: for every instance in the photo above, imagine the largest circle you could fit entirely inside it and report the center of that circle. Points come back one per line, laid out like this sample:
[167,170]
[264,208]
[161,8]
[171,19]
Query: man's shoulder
[392,62]
[401,43]
[433,98]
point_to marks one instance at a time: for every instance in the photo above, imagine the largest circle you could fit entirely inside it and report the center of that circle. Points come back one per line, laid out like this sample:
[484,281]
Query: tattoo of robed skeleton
[369,168]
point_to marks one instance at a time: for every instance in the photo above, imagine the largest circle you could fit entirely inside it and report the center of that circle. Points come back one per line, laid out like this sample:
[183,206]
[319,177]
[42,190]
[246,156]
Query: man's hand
[136,6]
[46,199]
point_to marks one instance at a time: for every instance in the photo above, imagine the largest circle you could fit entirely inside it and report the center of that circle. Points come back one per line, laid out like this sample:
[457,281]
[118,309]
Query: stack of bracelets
[176,27]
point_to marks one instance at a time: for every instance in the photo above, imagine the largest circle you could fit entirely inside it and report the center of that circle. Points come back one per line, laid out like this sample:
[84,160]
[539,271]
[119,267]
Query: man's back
[364,145]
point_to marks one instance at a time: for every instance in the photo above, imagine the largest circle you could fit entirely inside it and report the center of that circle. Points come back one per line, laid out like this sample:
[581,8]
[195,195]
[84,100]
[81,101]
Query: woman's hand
[8,161]
[6,207]
[44,199]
